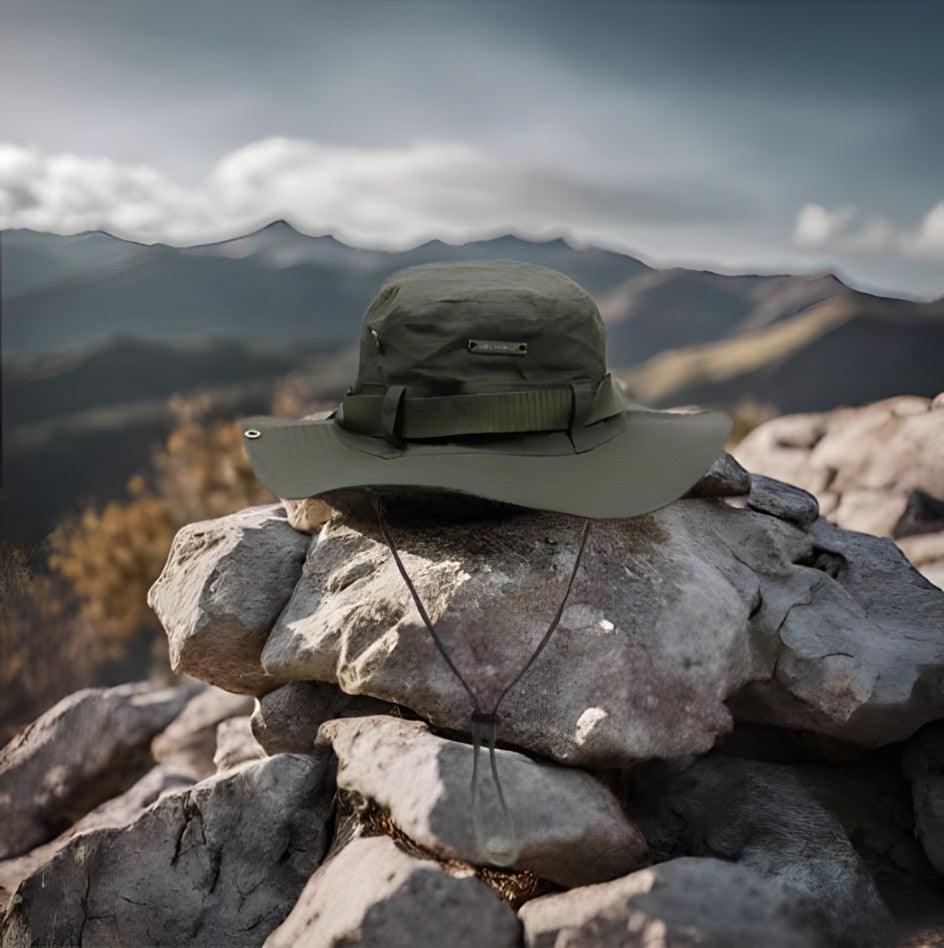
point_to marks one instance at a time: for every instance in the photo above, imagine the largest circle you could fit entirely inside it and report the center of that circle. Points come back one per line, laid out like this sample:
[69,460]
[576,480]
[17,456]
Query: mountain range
[97,332]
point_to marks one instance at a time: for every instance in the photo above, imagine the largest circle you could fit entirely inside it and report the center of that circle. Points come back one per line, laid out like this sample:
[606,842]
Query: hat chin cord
[494,827]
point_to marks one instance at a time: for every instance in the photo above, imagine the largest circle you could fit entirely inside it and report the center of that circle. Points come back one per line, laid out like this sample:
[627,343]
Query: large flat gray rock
[570,827]
[119,811]
[223,586]
[219,864]
[675,618]
[707,903]
[87,748]
[373,894]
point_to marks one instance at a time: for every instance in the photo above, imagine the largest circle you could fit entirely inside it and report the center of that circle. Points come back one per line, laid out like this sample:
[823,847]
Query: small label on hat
[497,347]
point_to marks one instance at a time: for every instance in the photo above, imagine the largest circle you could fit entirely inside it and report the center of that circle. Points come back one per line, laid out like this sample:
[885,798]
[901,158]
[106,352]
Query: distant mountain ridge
[98,332]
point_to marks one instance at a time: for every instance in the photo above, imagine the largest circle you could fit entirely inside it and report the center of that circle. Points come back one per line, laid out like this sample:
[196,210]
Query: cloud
[816,225]
[390,197]
[844,229]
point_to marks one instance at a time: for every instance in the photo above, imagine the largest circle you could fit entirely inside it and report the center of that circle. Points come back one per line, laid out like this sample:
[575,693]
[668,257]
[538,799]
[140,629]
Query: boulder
[861,658]
[570,828]
[87,748]
[785,501]
[119,811]
[188,743]
[923,765]
[725,478]
[223,586]
[235,744]
[219,864]
[675,618]
[683,902]
[287,720]
[762,816]
[397,901]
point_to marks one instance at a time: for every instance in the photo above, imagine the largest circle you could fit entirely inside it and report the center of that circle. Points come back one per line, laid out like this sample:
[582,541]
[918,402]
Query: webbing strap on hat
[393,412]
[499,847]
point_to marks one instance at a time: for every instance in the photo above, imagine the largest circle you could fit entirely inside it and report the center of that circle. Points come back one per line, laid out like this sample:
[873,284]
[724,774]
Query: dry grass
[46,649]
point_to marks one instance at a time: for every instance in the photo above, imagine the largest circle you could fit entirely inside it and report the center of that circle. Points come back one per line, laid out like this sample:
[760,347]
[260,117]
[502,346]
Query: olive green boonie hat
[489,379]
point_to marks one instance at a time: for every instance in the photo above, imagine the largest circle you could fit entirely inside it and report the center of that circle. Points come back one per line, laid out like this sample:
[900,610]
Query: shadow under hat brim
[651,459]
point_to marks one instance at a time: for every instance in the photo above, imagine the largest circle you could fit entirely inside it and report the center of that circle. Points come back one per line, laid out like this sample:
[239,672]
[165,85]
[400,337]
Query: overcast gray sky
[731,135]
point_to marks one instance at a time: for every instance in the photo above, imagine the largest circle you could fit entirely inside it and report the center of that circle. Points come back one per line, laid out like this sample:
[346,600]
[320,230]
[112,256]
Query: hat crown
[478,327]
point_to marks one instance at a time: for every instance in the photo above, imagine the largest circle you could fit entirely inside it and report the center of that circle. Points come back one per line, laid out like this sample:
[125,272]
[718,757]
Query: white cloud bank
[845,229]
[374,197]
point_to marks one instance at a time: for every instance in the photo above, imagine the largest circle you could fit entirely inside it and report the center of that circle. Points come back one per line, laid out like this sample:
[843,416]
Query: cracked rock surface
[89,747]
[221,863]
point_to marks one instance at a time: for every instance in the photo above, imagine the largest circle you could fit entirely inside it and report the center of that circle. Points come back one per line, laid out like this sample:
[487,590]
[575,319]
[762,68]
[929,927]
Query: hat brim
[653,459]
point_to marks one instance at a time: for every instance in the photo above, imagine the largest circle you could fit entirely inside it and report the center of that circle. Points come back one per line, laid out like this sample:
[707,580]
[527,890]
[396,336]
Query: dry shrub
[110,557]
[47,650]
[202,470]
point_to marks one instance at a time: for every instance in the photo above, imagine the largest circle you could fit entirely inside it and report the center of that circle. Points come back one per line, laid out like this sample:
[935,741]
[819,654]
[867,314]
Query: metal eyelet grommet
[252,434]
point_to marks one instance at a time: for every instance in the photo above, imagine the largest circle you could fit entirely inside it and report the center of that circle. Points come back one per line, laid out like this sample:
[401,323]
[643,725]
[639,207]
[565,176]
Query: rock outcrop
[733,737]
[815,628]
[878,469]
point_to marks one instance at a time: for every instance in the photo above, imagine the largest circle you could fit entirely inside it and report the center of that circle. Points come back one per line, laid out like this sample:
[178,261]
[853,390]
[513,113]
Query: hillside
[848,350]
[665,309]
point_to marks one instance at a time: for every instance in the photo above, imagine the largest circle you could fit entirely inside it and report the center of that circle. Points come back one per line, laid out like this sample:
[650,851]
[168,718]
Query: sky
[744,136]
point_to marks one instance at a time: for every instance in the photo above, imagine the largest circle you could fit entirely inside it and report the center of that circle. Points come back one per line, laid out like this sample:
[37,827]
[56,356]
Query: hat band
[393,412]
